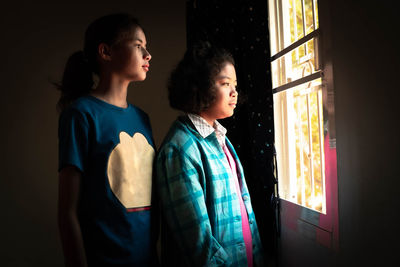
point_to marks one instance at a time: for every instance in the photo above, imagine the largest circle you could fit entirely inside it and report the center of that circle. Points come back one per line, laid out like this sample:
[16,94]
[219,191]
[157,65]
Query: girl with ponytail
[106,150]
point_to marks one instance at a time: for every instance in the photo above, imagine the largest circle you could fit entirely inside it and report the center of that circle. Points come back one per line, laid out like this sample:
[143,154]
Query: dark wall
[366,69]
[36,40]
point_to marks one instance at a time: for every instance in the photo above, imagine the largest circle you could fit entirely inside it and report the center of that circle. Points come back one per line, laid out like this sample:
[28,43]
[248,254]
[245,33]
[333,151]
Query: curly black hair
[191,84]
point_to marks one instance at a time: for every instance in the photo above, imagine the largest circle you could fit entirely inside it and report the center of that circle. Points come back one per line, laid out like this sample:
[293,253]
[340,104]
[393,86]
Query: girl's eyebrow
[141,41]
[225,77]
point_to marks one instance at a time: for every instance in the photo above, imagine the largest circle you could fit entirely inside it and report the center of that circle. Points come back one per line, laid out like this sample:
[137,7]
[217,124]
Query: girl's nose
[234,92]
[146,55]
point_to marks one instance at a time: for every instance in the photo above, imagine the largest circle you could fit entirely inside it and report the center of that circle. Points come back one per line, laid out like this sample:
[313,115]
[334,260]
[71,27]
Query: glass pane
[273,27]
[316,14]
[287,23]
[298,63]
[277,72]
[308,5]
[296,20]
[299,115]
[316,135]
[302,147]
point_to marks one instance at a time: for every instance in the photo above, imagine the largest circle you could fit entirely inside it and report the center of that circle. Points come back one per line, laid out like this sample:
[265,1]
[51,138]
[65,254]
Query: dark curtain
[242,28]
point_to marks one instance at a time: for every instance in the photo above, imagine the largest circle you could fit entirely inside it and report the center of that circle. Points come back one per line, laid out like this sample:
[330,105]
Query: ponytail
[77,80]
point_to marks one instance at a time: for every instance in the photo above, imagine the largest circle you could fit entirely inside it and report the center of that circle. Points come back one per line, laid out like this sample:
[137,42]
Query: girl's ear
[104,51]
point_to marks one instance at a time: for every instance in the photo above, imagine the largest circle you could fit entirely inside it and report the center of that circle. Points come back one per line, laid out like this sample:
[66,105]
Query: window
[300,122]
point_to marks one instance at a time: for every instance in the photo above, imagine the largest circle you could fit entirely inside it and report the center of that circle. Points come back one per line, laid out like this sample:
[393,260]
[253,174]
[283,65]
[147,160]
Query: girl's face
[225,84]
[130,59]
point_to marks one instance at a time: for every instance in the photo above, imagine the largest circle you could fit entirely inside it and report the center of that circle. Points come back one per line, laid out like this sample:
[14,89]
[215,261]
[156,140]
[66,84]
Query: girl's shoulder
[82,103]
[181,137]
[82,109]
[180,132]
[92,105]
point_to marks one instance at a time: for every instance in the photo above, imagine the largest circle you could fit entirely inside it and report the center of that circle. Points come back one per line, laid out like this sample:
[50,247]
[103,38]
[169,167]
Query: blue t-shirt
[114,149]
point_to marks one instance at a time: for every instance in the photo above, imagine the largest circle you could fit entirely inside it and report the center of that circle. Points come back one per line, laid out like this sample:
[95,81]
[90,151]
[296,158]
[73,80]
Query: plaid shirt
[199,201]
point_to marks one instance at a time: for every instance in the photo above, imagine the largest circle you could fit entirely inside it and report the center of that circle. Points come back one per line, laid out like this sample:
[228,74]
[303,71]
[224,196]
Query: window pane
[301,134]
[290,20]
[308,5]
[273,27]
[316,14]
[317,149]
[298,63]
[296,20]
[299,123]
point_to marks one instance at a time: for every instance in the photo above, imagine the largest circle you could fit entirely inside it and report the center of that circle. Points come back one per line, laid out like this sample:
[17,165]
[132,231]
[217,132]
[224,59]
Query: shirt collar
[206,129]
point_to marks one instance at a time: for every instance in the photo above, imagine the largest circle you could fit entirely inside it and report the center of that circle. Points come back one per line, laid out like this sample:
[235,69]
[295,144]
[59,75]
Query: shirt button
[245,198]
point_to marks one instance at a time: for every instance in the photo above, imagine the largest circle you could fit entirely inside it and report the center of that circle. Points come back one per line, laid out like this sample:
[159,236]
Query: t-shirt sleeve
[72,140]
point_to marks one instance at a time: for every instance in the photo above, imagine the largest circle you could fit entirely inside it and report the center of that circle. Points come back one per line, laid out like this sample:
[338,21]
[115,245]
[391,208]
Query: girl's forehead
[135,33]
[227,72]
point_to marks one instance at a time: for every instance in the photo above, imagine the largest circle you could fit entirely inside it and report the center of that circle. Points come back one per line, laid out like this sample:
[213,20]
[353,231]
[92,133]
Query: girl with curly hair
[207,215]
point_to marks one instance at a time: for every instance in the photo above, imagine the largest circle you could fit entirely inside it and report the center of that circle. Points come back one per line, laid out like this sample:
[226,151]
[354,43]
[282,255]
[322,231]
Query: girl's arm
[70,231]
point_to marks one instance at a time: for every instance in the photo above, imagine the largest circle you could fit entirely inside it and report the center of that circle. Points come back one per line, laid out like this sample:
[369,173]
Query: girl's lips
[146,67]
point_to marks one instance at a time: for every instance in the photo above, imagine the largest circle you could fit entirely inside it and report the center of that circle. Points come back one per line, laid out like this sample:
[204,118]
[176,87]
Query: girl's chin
[139,79]
[226,116]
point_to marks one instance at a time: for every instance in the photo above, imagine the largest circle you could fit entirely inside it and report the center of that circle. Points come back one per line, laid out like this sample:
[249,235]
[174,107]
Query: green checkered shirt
[201,211]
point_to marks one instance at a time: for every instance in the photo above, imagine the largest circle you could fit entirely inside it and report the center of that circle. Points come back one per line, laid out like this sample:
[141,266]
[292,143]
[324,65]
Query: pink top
[245,221]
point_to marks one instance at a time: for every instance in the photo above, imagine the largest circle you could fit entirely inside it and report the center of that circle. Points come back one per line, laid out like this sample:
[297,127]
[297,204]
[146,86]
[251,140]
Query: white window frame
[322,227]
[281,44]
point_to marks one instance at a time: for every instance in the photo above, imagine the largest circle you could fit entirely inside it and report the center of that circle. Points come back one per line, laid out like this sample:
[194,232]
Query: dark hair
[77,79]
[191,84]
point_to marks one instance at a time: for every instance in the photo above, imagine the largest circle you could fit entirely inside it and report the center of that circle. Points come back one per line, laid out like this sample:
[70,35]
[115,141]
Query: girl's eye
[225,84]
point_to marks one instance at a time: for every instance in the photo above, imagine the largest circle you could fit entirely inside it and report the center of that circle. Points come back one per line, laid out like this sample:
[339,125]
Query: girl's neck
[112,92]
[209,120]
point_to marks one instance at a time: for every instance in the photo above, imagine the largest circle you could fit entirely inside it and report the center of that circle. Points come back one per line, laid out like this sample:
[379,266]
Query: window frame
[321,227]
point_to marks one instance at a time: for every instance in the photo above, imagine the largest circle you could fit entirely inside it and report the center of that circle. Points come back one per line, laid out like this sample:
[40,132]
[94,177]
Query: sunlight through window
[298,105]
